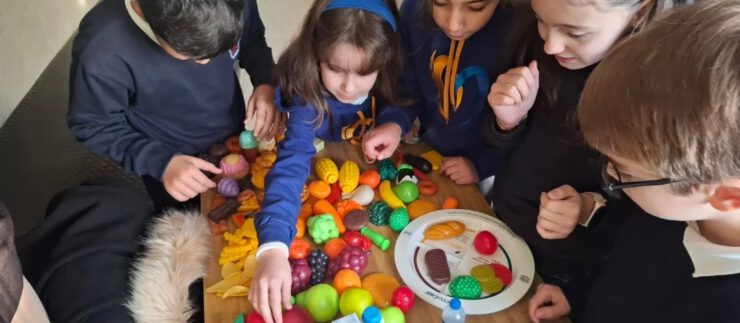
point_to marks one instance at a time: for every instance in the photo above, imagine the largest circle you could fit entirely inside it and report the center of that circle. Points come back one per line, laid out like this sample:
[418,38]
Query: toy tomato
[485,243]
[403,298]
[354,238]
[299,249]
[370,178]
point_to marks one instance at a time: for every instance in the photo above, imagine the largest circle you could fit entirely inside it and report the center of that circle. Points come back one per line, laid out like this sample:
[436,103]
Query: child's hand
[381,142]
[548,303]
[271,285]
[183,177]
[460,170]
[513,94]
[262,112]
[560,211]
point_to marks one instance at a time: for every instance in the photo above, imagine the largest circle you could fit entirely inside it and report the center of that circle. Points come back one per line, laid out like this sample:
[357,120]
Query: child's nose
[455,22]
[554,45]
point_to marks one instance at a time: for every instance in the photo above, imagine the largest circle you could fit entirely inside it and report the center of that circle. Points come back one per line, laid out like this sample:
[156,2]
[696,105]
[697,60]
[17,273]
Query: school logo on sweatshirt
[450,80]
[234,51]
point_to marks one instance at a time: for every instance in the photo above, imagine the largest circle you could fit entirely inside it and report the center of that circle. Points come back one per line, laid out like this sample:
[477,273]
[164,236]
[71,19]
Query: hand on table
[560,211]
[459,169]
[270,289]
[380,142]
[548,303]
[513,94]
[184,179]
[261,111]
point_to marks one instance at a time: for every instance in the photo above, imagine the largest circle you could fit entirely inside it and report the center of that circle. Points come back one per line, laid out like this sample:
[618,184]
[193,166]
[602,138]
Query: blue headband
[377,7]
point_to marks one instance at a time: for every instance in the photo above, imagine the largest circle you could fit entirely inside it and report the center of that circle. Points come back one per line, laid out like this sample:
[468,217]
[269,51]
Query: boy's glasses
[614,186]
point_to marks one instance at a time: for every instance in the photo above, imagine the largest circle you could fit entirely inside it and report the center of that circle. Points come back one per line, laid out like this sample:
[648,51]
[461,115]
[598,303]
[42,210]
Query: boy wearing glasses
[153,84]
[670,128]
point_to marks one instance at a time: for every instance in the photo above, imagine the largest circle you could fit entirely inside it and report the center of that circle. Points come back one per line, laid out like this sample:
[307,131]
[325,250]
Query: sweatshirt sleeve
[496,138]
[394,114]
[254,54]
[97,119]
[284,183]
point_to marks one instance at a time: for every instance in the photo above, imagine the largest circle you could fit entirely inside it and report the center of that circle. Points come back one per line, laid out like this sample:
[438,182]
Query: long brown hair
[298,67]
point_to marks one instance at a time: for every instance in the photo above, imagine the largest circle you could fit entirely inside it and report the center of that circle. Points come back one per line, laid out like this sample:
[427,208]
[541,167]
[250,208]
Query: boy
[664,107]
[153,83]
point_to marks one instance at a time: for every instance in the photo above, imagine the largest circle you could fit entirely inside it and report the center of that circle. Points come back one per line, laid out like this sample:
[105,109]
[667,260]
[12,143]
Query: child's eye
[477,9]
[439,3]
[577,35]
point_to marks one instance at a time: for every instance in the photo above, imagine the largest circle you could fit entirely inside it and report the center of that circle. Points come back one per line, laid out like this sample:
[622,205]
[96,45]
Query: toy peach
[234,165]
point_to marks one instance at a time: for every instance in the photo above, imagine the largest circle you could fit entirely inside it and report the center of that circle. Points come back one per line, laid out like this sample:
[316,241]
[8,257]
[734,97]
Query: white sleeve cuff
[272,245]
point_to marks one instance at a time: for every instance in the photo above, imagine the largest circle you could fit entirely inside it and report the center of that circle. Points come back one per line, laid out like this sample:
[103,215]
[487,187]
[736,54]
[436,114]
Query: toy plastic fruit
[465,287]
[363,195]
[247,140]
[234,165]
[355,300]
[502,272]
[444,230]
[419,208]
[406,191]
[381,286]
[370,178]
[450,203]
[403,298]
[321,301]
[228,187]
[297,315]
[418,163]
[319,189]
[318,260]
[253,317]
[392,314]
[345,279]
[399,219]
[299,248]
[351,258]
[301,275]
[334,247]
[434,158]
[379,213]
[485,243]
[387,195]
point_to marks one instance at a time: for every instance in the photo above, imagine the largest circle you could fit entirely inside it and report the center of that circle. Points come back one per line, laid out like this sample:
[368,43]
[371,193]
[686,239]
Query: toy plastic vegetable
[399,219]
[465,287]
[319,189]
[418,163]
[378,239]
[322,228]
[427,188]
[444,230]
[346,206]
[370,178]
[363,195]
[354,238]
[349,176]
[299,248]
[387,170]
[336,192]
[434,158]
[386,193]
[324,207]
[300,227]
[224,210]
[327,170]
[334,247]
[379,213]
[306,211]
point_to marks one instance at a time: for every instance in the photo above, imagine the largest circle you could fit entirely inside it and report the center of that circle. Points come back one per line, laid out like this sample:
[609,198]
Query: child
[664,108]
[451,47]
[153,83]
[556,53]
[343,63]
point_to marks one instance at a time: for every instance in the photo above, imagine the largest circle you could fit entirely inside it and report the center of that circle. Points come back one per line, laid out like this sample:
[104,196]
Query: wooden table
[218,310]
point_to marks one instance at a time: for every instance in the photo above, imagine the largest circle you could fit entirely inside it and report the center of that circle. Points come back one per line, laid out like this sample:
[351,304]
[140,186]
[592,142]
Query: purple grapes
[301,275]
[318,260]
[351,258]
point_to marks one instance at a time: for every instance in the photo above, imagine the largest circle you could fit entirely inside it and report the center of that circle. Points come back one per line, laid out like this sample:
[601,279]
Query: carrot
[450,203]
[324,207]
[305,212]
[300,226]
[334,247]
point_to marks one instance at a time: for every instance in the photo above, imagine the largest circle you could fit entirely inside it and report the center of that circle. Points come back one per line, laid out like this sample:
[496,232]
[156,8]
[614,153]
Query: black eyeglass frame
[614,186]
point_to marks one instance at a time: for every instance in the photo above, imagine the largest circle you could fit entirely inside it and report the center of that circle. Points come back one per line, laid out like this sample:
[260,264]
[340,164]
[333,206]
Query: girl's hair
[298,67]
[426,6]
[526,45]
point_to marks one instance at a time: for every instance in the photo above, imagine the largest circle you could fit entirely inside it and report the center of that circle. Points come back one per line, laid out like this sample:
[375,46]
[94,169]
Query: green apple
[392,314]
[321,301]
[355,300]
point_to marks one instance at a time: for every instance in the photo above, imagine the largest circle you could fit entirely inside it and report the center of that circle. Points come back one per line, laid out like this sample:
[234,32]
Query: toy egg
[234,165]
[228,187]
[247,140]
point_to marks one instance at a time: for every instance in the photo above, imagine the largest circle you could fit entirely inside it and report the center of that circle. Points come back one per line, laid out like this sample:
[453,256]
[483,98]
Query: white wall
[31,33]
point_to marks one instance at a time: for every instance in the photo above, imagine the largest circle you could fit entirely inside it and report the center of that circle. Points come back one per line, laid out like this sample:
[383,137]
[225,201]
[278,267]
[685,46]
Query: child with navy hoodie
[339,72]
[451,58]
[153,85]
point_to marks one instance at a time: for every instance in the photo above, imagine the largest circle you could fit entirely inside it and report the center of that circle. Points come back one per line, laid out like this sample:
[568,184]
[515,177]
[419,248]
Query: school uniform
[449,81]
[275,223]
[132,102]
[666,271]
[547,151]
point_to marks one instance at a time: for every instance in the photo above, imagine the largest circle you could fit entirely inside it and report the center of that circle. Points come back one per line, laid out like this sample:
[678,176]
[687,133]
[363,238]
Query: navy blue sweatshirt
[132,102]
[461,135]
[284,183]
[649,278]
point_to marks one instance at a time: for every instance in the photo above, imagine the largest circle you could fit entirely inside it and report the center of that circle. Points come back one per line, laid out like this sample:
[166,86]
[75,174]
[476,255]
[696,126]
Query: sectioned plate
[512,252]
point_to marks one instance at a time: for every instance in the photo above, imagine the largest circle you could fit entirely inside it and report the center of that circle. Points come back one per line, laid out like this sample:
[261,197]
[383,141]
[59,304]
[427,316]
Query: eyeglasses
[614,186]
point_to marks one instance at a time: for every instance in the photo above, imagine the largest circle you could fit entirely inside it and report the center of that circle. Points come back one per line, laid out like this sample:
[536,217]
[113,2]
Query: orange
[345,279]
[381,286]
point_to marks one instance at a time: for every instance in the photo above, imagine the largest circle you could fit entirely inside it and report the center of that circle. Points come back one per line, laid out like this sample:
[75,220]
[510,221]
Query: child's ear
[641,15]
[725,198]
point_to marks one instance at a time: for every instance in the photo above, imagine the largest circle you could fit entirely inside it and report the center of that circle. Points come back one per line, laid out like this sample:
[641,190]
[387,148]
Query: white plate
[512,252]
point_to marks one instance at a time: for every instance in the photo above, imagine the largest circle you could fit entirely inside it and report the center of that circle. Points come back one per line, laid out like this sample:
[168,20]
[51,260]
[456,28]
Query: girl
[451,46]
[561,45]
[331,78]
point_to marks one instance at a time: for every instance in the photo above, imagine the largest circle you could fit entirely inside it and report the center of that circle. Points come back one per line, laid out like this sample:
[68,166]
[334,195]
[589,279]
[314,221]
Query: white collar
[710,259]
[140,22]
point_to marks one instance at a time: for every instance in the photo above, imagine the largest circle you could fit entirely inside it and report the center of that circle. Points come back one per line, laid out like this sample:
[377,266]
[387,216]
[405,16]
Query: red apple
[403,298]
